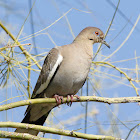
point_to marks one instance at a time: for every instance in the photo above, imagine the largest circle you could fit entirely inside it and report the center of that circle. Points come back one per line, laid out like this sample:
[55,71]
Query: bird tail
[26,119]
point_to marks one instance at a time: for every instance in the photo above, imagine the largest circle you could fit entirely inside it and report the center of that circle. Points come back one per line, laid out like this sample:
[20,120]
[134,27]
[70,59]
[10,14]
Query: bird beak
[104,42]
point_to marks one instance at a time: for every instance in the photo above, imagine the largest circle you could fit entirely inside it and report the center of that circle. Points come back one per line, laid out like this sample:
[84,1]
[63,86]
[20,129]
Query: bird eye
[97,33]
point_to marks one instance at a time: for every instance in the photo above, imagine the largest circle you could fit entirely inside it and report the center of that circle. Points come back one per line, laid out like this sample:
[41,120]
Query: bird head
[92,34]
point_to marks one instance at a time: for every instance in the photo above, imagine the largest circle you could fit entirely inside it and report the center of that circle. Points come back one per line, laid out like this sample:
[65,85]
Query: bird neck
[86,46]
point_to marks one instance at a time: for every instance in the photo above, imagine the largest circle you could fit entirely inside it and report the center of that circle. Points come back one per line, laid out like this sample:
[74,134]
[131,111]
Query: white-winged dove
[64,72]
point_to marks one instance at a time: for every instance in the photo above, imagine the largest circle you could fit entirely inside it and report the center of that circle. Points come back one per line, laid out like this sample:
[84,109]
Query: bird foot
[71,99]
[59,99]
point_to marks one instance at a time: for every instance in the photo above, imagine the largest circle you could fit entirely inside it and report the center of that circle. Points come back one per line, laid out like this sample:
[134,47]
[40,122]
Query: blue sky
[89,13]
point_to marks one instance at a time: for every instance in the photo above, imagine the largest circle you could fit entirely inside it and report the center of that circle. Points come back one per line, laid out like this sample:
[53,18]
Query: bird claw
[71,99]
[59,99]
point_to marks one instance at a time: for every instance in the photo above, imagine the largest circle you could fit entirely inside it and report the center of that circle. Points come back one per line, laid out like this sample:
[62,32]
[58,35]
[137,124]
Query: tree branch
[56,131]
[82,99]
[5,134]
[25,52]
[122,72]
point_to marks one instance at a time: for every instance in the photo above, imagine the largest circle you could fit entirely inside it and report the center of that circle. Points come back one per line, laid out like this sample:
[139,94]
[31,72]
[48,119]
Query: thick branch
[56,131]
[5,134]
[82,99]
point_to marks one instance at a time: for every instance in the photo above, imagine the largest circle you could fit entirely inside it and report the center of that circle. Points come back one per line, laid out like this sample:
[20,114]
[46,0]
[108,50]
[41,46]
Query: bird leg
[59,99]
[71,99]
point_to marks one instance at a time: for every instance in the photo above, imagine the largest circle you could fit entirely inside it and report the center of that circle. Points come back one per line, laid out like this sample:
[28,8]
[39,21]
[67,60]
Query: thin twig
[122,72]
[124,40]
[32,35]
[25,52]
[108,28]
[131,131]
[12,46]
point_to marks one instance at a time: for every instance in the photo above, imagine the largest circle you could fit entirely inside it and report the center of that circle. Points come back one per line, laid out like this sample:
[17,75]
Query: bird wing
[51,63]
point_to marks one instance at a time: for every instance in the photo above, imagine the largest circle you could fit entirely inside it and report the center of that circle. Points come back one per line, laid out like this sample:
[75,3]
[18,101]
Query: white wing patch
[44,85]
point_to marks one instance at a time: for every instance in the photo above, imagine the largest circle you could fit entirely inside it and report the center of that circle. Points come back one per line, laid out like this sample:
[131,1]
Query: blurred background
[48,23]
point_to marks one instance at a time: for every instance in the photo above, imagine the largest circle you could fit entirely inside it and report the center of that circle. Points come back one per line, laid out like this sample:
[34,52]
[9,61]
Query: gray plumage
[64,72]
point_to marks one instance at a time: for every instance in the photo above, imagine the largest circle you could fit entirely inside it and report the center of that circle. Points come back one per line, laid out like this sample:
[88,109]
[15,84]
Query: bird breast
[70,75]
